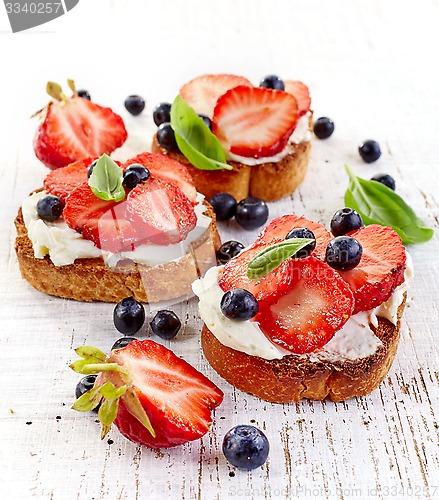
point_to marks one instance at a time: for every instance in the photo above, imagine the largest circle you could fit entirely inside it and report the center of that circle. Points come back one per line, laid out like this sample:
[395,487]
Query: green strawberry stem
[55,90]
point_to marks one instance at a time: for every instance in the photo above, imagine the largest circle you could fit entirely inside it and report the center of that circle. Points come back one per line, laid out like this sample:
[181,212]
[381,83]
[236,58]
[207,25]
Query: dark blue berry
[239,304]
[166,324]
[302,232]
[344,253]
[345,220]
[135,174]
[246,447]
[85,94]
[90,168]
[251,213]
[224,206]
[49,207]
[385,179]
[228,250]
[370,151]
[166,137]
[272,82]
[207,121]
[122,342]
[84,385]
[128,316]
[162,113]
[134,104]
[323,127]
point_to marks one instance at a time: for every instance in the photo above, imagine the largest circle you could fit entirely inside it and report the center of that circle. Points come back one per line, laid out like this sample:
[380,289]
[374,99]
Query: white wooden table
[372,68]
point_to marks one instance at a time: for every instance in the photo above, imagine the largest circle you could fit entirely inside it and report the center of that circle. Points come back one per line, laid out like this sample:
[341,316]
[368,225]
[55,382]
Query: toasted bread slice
[293,377]
[92,280]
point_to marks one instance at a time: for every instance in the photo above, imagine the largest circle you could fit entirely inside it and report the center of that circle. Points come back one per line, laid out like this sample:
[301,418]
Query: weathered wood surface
[371,67]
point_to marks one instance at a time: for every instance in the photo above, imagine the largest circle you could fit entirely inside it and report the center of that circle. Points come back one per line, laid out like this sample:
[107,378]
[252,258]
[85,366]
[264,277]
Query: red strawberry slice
[74,129]
[301,93]
[265,288]
[161,212]
[167,169]
[254,122]
[202,92]
[280,227]
[316,305]
[62,182]
[381,268]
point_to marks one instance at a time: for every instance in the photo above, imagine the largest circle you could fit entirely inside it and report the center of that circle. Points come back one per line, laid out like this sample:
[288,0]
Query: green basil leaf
[272,257]
[195,139]
[106,180]
[378,204]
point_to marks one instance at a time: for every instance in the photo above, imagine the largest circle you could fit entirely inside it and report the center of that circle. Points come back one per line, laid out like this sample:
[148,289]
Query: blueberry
[128,316]
[162,113]
[50,207]
[135,174]
[166,324]
[228,250]
[246,447]
[207,121]
[272,82]
[85,94]
[302,232]
[122,342]
[166,137]
[134,104]
[345,220]
[385,179]
[343,253]
[239,304]
[251,213]
[84,385]
[90,168]
[370,151]
[323,127]
[224,206]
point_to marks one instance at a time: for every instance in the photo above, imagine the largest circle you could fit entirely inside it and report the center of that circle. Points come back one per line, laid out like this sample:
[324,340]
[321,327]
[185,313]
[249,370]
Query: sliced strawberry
[74,129]
[301,93]
[316,305]
[161,212]
[62,182]
[254,122]
[203,92]
[235,276]
[381,268]
[167,169]
[280,227]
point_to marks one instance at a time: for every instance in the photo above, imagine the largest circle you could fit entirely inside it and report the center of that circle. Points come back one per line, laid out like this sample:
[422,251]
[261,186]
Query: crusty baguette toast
[269,181]
[92,280]
[293,378]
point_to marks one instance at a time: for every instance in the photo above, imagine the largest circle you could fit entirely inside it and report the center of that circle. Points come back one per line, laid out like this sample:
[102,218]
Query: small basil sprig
[378,204]
[194,138]
[106,180]
[272,257]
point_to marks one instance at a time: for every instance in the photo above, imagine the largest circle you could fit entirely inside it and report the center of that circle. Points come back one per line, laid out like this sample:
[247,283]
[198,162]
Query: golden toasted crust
[293,378]
[269,181]
[91,279]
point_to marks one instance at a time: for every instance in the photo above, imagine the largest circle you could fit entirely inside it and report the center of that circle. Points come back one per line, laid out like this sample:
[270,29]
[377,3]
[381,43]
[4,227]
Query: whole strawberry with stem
[73,128]
[153,397]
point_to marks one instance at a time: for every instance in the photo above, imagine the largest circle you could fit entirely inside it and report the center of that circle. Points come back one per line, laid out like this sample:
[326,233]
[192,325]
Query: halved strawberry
[62,182]
[202,92]
[280,227]
[235,276]
[254,122]
[167,169]
[154,397]
[305,317]
[161,212]
[301,93]
[73,129]
[381,268]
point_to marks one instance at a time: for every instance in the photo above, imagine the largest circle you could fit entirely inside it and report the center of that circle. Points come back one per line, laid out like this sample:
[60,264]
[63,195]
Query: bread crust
[269,181]
[92,280]
[293,378]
